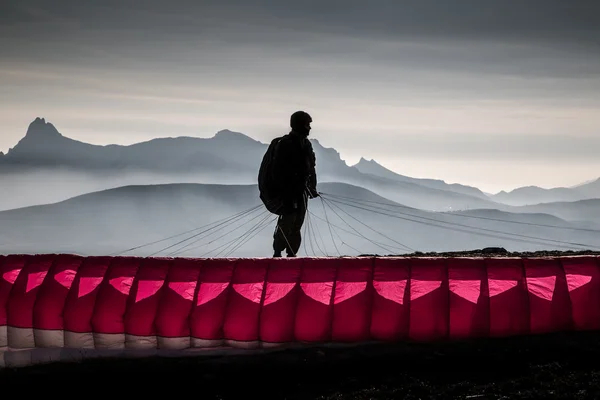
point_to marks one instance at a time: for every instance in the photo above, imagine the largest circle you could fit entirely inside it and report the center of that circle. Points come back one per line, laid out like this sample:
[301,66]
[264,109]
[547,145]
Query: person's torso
[298,148]
[298,157]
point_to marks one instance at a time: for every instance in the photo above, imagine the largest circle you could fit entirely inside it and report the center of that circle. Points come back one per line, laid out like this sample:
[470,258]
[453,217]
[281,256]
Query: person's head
[300,123]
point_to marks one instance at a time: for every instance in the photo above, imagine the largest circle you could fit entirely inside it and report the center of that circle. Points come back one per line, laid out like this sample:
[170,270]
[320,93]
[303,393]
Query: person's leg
[288,233]
[295,229]
[279,242]
[283,238]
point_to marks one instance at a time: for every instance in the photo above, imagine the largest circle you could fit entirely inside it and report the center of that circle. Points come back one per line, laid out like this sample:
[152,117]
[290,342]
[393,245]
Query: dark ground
[497,252]
[563,366]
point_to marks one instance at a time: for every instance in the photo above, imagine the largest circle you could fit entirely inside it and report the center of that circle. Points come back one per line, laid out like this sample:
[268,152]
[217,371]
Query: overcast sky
[496,94]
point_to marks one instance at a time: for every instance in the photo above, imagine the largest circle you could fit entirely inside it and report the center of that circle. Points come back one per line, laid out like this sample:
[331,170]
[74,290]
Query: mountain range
[228,157]
[535,195]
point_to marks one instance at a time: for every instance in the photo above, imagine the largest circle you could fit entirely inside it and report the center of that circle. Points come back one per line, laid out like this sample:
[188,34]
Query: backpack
[266,184]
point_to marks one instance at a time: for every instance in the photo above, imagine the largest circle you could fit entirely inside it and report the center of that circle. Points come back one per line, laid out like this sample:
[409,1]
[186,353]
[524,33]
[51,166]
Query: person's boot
[277,254]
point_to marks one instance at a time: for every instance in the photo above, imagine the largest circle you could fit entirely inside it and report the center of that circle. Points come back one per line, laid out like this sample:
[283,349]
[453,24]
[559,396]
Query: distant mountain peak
[372,166]
[40,128]
[227,132]
[40,142]
[364,161]
[232,136]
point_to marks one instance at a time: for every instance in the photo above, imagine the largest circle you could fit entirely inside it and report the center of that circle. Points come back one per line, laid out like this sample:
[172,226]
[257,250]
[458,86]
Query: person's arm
[312,174]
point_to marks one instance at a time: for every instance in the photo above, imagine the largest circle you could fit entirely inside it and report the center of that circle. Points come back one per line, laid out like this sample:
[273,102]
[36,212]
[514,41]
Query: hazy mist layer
[113,221]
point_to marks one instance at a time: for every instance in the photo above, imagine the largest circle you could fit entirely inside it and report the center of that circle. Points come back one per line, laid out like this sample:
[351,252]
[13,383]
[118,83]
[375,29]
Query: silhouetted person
[293,180]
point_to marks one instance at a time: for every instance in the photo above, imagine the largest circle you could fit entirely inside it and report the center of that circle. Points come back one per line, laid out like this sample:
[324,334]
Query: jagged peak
[363,161]
[320,146]
[315,143]
[39,127]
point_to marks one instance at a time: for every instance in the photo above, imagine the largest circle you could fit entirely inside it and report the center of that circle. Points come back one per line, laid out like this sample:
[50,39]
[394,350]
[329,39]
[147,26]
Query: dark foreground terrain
[564,366]
[497,252]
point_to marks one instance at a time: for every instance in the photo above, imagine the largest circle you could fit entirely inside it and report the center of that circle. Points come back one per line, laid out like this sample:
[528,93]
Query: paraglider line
[227,244]
[224,220]
[250,237]
[351,227]
[354,234]
[329,225]
[454,225]
[374,230]
[182,250]
[455,214]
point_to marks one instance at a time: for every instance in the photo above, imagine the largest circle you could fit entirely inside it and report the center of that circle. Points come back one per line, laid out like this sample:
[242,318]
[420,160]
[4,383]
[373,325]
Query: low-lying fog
[112,221]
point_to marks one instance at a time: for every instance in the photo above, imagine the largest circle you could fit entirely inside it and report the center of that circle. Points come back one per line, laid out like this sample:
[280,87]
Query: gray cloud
[557,149]
[516,36]
[487,79]
[408,51]
[535,19]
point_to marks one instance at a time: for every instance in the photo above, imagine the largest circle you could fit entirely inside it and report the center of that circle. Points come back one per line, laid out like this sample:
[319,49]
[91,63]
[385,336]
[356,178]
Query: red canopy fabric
[50,303]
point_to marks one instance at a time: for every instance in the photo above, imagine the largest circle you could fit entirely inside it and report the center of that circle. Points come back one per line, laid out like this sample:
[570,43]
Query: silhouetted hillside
[531,195]
[44,146]
[583,211]
[111,221]
[372,167]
